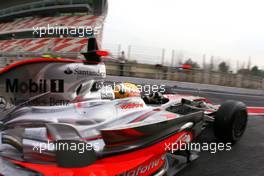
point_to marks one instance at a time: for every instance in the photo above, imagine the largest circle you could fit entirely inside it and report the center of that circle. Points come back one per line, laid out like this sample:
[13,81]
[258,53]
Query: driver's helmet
[124,90]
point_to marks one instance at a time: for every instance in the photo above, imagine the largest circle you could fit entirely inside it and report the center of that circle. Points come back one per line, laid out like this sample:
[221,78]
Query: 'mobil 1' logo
[42,86]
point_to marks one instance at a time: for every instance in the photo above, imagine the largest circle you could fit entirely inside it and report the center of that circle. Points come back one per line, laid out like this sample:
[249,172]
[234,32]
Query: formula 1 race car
[93,133]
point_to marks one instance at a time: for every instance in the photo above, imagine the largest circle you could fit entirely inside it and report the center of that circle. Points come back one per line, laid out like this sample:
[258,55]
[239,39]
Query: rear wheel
[230,121]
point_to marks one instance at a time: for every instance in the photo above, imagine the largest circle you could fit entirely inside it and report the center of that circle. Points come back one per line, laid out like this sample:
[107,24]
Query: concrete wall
[194,76]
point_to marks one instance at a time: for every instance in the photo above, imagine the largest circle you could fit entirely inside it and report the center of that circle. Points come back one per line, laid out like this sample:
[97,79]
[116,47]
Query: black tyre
[230,121]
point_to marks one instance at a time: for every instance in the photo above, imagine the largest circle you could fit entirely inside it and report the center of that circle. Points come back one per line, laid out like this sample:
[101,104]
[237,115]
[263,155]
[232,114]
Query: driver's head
[124,90]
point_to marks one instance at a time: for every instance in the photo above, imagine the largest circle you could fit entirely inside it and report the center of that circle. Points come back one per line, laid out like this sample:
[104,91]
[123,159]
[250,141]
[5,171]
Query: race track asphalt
[220,97]
[246,157]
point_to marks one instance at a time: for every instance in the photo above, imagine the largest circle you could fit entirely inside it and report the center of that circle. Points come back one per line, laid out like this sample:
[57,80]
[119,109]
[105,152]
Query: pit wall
[192,76]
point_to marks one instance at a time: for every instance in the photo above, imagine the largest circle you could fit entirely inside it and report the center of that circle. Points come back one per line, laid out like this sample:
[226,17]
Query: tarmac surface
[246,157]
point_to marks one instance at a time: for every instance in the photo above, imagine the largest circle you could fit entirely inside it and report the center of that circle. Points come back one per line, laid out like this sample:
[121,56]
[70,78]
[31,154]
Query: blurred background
[183,41]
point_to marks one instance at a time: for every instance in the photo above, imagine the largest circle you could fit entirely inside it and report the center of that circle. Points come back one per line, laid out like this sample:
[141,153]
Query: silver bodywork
[89,111]
[60,78]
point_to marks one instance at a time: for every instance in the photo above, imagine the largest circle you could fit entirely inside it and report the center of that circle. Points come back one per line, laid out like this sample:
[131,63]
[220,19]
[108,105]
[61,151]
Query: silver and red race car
[59,119]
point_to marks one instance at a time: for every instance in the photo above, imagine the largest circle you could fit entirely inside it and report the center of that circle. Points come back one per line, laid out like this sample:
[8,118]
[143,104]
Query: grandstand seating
[17,37]
[46,44]
[30,22]
[43,45]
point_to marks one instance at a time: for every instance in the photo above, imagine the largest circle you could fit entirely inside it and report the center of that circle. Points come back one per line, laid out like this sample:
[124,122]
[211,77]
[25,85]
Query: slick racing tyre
[230,121]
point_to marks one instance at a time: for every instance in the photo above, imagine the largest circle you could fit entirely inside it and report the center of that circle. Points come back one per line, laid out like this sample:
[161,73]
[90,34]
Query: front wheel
[230,121]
